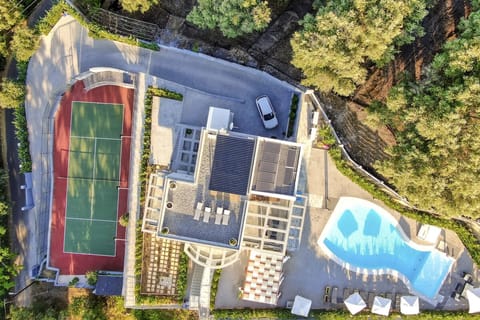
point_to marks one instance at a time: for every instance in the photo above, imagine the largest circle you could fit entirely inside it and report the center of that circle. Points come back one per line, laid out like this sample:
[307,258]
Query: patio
[309,271]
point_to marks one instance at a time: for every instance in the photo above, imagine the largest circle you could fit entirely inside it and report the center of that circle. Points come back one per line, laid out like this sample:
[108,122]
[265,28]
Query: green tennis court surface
[93,178]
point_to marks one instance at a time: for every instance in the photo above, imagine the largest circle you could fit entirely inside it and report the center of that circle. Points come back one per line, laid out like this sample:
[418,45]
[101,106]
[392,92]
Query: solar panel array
[276,168]
[231,164]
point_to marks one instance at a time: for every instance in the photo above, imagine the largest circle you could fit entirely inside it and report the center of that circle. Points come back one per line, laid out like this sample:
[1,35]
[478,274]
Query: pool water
[364,236]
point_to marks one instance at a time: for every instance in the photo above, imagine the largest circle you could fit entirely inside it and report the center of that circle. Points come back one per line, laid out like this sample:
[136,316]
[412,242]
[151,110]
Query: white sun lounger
[206,216]
[198,211]
[226,217]
[218,218]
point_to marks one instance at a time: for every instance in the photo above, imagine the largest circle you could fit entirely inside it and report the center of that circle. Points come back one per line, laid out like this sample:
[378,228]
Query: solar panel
[231,164]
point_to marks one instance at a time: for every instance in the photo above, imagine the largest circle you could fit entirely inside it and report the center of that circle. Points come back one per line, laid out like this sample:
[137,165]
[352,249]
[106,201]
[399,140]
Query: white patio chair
[226,217]
[198,211]
[206,216]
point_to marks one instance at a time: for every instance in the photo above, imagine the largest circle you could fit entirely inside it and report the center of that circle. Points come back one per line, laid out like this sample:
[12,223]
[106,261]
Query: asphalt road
[19,234]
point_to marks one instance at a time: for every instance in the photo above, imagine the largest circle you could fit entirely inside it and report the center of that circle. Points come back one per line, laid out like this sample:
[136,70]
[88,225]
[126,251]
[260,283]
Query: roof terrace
[193,212]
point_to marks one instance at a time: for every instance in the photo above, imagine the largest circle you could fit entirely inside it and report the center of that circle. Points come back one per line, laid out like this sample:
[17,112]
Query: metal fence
[355,165]
[42,219]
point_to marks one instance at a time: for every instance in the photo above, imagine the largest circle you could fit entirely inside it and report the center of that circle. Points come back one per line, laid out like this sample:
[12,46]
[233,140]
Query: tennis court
[94,158]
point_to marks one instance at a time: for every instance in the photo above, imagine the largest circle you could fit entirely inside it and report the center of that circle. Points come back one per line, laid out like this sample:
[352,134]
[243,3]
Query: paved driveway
[208,81]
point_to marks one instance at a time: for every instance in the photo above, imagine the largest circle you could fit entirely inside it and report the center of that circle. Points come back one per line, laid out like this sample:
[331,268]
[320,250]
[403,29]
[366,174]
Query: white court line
[97,138]
[93,177]
[102,220]
[91,102]
[68,165]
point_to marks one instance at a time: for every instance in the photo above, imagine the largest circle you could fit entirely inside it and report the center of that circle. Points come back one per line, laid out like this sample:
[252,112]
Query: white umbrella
[355,303]
[473,296]
[381,306]
[301,306]
[409,305]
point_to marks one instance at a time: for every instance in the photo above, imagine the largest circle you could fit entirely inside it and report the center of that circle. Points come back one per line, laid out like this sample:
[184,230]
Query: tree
[436,160]
[4,208]
[24,43]
[8,270]
[10,14]
[232,17]
[12,94]
[335,47]
[137,5]
[3,46]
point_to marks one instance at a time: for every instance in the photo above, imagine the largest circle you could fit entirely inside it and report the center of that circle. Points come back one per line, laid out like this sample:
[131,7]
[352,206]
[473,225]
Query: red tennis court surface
[71,263]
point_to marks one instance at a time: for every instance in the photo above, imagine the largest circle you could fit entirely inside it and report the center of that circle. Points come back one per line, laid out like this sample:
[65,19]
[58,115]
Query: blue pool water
[366,236]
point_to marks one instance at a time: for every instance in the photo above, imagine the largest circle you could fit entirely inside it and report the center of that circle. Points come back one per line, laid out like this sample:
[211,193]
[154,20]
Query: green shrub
[245,314]
[182,277]
[293,115]
[165,93]
[21,131]
[73,282]
[213,292]
[92,277]
[51,18]
[147,45]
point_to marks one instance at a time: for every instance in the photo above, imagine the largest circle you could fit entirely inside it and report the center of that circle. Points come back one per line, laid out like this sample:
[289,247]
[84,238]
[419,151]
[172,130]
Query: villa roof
[231,164]
[276,167]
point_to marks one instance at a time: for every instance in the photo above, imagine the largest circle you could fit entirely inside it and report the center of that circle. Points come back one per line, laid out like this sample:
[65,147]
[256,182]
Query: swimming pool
[365,238]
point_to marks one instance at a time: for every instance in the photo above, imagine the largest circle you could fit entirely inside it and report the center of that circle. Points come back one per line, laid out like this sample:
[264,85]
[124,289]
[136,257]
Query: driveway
[208,81]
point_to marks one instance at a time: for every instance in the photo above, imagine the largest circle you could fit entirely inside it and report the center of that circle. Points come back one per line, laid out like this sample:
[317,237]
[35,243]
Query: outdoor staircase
[200,288]
[195,286]
[206,287]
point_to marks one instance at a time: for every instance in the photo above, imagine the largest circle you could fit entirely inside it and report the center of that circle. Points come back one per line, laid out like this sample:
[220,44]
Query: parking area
[246,117]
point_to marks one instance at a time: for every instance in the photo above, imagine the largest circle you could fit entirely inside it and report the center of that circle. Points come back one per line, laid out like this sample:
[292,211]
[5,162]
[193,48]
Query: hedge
[21,131]
[293,115]
[182,277]
[213,290]
[244,314]
[95,31]
[144,172]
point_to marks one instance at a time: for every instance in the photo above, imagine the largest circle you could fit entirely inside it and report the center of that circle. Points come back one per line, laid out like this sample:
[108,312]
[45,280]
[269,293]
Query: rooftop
[182,200]
[276,166]
[231,164]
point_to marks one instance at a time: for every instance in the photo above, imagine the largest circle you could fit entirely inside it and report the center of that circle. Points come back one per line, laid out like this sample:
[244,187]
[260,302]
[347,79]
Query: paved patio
[309,270]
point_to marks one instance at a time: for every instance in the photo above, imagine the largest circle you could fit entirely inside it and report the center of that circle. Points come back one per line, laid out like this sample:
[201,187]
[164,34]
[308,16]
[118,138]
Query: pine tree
[336,45]
[232,17]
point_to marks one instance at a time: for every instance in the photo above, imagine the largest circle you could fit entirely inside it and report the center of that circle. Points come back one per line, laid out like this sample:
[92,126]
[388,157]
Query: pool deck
[309,270]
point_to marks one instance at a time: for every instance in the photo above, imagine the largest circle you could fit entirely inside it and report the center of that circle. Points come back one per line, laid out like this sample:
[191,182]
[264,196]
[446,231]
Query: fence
[116,23]
[356,166]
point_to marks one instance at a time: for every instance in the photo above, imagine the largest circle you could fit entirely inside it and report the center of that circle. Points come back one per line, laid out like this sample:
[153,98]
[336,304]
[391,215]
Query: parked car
[267,113]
